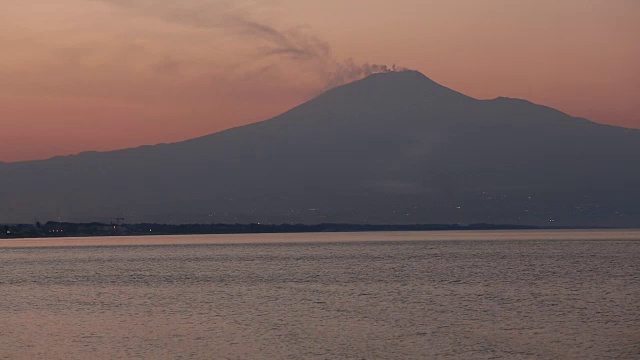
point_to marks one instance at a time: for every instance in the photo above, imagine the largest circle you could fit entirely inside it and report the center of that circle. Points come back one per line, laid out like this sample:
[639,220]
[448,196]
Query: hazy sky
[81,75]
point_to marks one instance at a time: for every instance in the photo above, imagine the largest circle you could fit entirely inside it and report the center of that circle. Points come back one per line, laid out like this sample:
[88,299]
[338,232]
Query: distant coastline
[65,229]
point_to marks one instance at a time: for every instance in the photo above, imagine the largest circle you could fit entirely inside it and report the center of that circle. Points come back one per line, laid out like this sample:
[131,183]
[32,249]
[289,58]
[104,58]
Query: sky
[79,75]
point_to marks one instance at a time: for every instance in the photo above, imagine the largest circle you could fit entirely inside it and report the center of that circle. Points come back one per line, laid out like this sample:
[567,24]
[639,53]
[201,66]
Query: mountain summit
[391,148]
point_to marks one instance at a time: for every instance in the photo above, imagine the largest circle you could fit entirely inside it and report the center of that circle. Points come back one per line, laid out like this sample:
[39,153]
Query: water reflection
[325,296]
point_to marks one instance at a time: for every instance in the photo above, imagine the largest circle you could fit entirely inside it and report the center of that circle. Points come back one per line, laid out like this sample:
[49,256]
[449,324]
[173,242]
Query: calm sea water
[460,295]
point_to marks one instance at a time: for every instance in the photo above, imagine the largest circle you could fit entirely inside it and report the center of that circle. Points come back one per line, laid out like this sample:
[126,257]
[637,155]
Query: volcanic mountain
[391,148]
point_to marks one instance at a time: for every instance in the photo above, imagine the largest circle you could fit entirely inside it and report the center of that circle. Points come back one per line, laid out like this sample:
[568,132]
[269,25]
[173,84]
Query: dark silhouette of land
[394,148]
[54,229]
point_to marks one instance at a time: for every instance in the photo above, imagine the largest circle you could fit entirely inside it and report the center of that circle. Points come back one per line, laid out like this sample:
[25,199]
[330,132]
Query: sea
[547,294]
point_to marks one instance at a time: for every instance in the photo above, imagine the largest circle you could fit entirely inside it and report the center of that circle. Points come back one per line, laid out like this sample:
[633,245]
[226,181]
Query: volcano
[393,148]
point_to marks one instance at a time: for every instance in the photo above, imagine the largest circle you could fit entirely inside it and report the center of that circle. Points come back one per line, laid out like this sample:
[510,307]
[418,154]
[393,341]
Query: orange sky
[81,75]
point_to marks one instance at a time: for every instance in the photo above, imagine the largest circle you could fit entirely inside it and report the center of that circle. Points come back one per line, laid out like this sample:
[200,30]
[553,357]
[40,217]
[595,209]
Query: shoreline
[332,237]
[54,229]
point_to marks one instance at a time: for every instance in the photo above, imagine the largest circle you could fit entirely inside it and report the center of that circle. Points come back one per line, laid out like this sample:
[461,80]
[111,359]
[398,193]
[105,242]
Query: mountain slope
[392,148]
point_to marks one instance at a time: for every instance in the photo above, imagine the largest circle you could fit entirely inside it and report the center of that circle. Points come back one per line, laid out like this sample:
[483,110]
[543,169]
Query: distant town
[53,229]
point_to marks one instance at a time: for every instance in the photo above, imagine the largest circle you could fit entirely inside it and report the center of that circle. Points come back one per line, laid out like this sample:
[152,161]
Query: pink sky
[80,75]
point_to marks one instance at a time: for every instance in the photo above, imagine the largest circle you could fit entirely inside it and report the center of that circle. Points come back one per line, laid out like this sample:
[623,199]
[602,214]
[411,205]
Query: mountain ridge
[416,75]
[391,148]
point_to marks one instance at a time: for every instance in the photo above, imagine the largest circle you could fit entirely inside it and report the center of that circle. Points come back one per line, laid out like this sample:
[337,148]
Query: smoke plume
[277,46]
[349,71]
